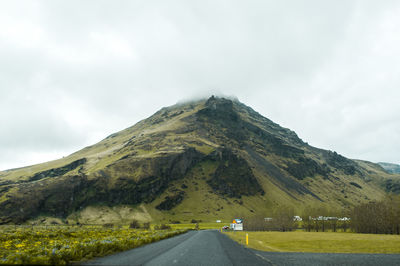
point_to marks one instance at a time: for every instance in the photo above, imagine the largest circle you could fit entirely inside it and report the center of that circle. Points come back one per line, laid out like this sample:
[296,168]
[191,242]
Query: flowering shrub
[65,244]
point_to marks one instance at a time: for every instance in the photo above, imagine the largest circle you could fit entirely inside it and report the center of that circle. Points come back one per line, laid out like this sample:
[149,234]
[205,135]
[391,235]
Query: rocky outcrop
[58,171]
[171,201]
[233,177]
[392,186]
[60,196]
[339,162]
[306,167]
[356,185]
[56,197]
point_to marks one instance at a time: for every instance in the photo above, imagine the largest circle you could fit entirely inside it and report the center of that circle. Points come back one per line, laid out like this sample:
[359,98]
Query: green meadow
[328,242]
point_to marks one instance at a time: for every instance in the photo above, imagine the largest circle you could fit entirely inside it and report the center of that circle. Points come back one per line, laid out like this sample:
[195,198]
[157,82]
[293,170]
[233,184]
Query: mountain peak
[198,159]
[215,102]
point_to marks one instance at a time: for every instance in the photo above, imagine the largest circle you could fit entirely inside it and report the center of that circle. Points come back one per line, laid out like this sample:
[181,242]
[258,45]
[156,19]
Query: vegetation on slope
[230,158]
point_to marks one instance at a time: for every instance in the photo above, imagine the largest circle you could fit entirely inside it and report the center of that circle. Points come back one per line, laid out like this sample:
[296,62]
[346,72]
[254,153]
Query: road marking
[264,258]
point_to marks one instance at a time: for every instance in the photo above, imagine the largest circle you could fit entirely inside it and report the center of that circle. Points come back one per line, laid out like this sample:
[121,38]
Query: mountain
[391,167]
[209,159]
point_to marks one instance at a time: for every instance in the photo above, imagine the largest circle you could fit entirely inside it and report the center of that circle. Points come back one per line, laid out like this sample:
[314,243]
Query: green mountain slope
[209,159]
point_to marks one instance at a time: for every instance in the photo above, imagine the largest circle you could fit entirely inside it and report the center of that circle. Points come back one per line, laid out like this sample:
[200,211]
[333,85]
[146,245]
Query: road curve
[210,247]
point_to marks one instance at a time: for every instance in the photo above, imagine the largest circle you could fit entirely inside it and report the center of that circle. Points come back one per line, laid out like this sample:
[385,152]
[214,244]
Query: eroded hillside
[205,159]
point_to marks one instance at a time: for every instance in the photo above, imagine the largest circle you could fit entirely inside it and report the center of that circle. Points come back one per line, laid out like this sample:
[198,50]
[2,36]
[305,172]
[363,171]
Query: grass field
[319,242]
[64,244]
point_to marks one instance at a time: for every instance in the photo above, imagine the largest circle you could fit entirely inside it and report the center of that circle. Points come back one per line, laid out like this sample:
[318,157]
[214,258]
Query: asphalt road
[210,247]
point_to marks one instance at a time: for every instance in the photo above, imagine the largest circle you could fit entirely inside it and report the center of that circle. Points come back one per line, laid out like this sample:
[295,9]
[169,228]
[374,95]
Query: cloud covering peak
[73,72]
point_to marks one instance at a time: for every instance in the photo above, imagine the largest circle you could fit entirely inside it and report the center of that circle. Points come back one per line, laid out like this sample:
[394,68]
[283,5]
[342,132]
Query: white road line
[264,258]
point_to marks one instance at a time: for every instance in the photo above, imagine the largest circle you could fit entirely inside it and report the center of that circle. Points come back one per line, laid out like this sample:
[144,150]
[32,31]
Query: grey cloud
[33,126]
[328,70]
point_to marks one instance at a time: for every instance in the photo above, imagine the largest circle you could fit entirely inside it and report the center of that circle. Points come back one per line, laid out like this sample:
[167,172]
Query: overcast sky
[73,72]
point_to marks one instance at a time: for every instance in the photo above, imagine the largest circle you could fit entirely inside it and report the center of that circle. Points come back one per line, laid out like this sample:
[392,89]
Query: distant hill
[209,159]
[391,167]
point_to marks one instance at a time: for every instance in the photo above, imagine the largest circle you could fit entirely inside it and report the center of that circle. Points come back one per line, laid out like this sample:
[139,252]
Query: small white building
[297,218]
[218,221]
[237,225]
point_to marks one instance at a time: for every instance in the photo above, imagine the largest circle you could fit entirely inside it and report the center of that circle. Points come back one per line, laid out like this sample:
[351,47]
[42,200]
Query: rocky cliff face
[233,176]
[239,156]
